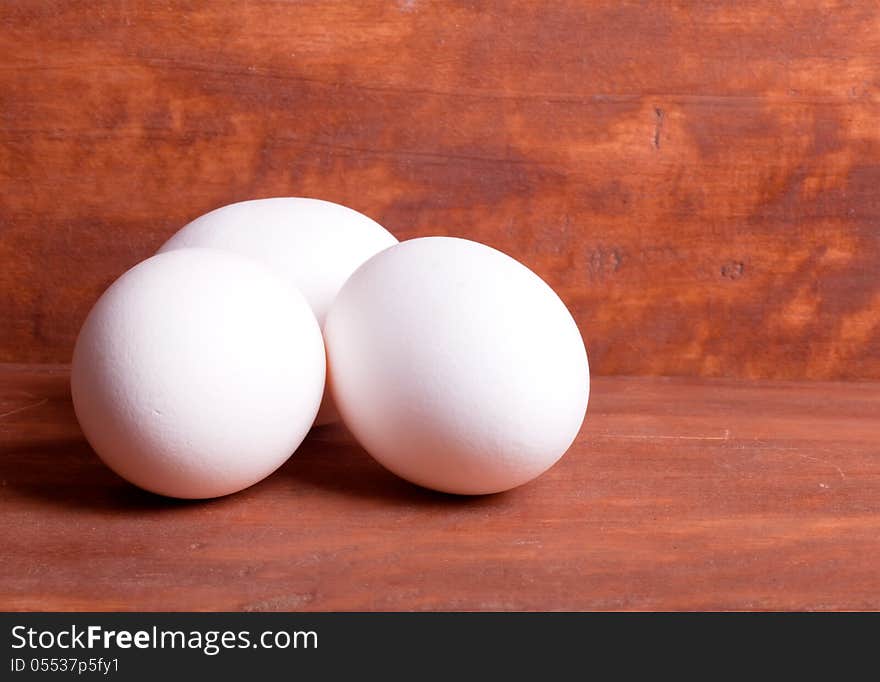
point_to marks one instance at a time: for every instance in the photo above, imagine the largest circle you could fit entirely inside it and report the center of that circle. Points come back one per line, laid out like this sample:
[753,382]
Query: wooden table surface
[678,494]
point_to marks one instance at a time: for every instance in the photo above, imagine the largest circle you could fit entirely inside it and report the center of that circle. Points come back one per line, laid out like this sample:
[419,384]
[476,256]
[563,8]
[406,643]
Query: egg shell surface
[455,366]
[316,244]
[198,373]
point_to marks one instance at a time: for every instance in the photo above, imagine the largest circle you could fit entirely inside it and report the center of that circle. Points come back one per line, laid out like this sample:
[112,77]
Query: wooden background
[699,180]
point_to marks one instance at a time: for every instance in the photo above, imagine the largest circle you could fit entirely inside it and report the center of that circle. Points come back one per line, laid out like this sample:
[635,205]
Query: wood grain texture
[698,180]
[678,494]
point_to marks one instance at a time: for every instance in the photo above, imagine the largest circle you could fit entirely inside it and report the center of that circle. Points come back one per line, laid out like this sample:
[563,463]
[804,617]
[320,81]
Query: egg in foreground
[198,373]
[316,244]
[455,366]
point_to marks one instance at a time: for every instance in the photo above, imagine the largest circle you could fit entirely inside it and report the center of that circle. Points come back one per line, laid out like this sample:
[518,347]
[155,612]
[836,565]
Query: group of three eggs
[201,370]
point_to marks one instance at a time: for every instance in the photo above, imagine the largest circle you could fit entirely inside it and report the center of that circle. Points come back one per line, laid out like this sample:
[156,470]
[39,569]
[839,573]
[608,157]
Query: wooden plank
[678,494]
[698,180]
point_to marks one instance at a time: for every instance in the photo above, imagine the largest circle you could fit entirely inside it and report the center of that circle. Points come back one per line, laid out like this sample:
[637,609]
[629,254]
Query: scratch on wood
[604,261]
[25,407]
[725,437]
[658,126]
[825,462]
[288,602]
[732,269]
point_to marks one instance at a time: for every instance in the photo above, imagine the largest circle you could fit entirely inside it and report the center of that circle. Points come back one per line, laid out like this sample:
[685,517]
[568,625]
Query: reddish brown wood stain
[678,494]
[699,181]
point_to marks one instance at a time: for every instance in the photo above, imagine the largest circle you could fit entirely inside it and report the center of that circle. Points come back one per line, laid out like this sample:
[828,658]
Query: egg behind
[316,244]
[198,373]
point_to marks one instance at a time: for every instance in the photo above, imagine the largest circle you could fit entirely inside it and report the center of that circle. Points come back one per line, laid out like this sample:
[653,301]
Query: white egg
[198,373]
[455,366]
[316,244]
